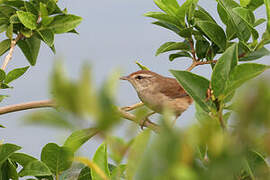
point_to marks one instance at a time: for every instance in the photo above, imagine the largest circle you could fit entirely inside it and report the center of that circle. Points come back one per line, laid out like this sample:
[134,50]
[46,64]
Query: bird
[158,92]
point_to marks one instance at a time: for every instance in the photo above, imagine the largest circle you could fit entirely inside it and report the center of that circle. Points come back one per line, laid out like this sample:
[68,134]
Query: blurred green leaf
[14,19]
[254,4]
[47,36]
[49,118]
[29,6]
[78,138]
[118,172]
[267,6]
[7,11]
[222,69]
[244,3]
[255,55]
[179,54]
[170,46]
[28,19]
[35,168]
[164,17]
[43,10]
[9,32]
[57,158]
[202,47]
[136,152]
[101,160]
[243,73]
[142,66]
[214,32]
[30,48]
[64,23]
[15,74]
[2,75]
[259,22]
[85,174]
[196,86]
[4,46]
[7,150]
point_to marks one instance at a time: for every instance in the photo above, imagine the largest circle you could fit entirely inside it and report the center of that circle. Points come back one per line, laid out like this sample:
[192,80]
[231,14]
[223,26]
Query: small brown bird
[158,92]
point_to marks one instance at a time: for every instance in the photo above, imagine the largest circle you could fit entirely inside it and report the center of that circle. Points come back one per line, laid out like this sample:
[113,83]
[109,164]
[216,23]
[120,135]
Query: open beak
[124,78]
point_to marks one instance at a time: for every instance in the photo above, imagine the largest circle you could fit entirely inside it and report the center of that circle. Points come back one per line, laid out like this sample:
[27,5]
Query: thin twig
[25,106]
[11,50]
[197,63]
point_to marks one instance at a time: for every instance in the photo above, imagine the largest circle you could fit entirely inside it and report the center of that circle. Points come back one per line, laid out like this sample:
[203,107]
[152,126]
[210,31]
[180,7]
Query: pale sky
[113,34]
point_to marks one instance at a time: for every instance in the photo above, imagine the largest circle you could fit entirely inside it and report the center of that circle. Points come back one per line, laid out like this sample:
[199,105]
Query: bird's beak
[124,78]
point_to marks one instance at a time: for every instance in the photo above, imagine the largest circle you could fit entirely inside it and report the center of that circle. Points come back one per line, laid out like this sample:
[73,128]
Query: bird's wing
[173,89]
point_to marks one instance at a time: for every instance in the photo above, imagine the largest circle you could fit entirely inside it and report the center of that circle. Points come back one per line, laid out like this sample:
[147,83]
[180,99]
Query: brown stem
[193,52]
[197,63]
[11,50]
[25,106]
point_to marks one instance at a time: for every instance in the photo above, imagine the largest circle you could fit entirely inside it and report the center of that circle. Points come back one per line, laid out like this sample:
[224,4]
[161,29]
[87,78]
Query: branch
[50,103]
[197,63]
[25,106]
[132,107]
[12,46]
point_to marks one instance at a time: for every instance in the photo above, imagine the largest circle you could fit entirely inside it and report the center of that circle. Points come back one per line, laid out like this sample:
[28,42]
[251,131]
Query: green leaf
[64,23]
[14,19]
[136,152]
[12,172]
[244,3]
[196,86]
[22,159]
[28,19]
[29,6]
[142,66]
[43,10]
[2,75]
[214,32]
[47,36]
[202,47]
[9,32]
[170,46]
[254,4]
[30,48]
[164,17]
[15,74]
[101,160]
[7,150]
[259,22]
[35,168]
[85,174]
[2,97]
[222,69]
[57,158]
[4,46]
[267,6]
[202,15]
[256,55]
[167,26]
[78,138]
[169,6]
[179,54]
[243,73]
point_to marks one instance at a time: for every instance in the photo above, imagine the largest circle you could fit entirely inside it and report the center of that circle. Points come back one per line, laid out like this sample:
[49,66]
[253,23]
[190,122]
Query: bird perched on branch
[158,92]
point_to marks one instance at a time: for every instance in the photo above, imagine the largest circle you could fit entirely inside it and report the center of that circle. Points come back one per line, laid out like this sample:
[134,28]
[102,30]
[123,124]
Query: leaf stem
[197,63]
[11,50]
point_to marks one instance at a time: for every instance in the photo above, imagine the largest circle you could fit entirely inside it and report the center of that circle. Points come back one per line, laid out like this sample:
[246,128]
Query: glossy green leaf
[57,158]
[30,48]
[164,17]
[256,55]
[214,32]
[47,36]
[222,69]
[179,54]
[15,74]
[2,75]
[136,152]
[7,150]
[196,86]
[85,174]
[22,159]
[243,73]
[169,6]
[28,19]
[244,3]
[183,10]
[170,46]
[202,15]
[64,23]
[35,168]
[4,46]
[167,26]
[101,160]
[78,138]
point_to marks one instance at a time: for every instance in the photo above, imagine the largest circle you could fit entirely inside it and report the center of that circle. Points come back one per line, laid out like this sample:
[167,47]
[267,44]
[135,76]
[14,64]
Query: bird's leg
[145,119]
[132,107]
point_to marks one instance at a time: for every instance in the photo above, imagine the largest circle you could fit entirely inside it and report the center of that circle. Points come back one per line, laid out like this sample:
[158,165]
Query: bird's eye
[139,77]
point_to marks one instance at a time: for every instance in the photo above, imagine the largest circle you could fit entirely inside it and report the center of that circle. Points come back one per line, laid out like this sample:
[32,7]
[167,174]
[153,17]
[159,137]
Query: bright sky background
[113,34]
